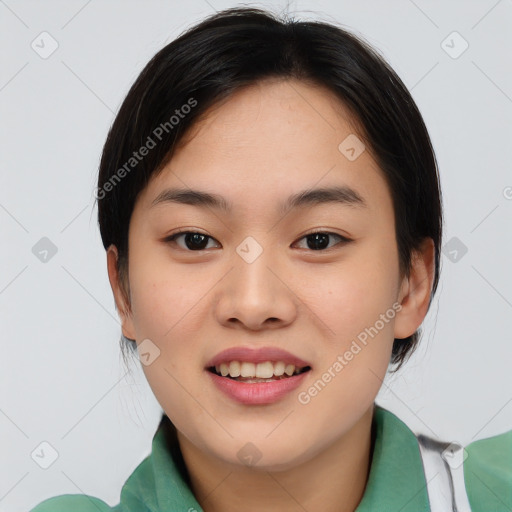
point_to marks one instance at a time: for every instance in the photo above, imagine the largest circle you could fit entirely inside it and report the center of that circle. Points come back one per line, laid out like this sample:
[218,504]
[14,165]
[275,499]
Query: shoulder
[476,477]
[73,503]
[488,472]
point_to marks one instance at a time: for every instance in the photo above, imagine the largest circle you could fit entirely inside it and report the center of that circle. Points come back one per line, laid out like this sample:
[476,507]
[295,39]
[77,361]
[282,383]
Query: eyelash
[343,240]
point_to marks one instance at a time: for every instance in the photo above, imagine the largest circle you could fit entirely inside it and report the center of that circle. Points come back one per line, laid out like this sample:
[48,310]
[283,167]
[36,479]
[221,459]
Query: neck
[333,480]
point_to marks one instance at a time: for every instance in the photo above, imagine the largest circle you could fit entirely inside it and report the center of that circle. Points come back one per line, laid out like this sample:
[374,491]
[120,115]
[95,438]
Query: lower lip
[254,393]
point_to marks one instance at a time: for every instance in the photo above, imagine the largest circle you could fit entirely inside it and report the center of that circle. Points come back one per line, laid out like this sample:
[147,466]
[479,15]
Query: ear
[122,302]
[415,290]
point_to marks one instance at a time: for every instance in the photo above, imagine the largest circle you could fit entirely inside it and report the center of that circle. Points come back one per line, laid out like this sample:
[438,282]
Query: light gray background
[62,378]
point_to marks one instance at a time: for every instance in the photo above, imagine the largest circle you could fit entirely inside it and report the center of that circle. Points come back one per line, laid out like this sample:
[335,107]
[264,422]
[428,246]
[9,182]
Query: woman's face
[255,278]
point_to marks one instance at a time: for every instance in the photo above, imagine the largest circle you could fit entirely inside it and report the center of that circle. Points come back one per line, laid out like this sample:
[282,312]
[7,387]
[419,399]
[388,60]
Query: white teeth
[234,369]
[289,369]
[265,370]
[247,370]
[278,368]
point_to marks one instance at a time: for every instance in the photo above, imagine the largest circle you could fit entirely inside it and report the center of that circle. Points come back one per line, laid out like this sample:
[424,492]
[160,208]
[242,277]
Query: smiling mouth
[268,371]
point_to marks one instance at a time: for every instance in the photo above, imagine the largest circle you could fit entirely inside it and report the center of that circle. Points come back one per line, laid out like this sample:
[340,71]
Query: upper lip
[256,355]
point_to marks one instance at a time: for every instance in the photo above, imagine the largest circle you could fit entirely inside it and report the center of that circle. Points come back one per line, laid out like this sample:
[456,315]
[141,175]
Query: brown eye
[320,240]
[193,241]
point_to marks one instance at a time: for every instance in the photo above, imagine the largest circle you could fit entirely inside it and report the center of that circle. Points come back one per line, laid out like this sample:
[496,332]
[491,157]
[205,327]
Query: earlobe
[122,306]
[416,290]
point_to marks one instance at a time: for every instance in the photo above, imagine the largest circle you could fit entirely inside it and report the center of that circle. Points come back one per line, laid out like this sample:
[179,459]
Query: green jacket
[400,477]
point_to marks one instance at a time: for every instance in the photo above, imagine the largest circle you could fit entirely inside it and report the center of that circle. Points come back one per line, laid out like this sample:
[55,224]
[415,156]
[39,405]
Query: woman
[269,201]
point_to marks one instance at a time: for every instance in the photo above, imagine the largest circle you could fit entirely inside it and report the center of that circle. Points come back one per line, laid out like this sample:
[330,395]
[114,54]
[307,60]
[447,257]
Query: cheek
[356,304]
[169,306]
[165,297]
[167,310]
[352,297]
[156,310]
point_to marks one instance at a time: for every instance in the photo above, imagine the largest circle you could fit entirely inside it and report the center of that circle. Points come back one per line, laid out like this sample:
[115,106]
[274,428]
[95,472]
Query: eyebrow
[343,195]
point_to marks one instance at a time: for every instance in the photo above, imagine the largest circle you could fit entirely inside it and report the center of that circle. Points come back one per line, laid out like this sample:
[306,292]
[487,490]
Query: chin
[263,455]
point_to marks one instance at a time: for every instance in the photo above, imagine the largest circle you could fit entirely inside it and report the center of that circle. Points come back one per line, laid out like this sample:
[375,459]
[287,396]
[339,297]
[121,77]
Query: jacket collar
[396,479]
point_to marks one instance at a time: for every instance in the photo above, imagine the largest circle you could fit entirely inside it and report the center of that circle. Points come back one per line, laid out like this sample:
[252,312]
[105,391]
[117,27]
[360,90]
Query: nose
[256,295]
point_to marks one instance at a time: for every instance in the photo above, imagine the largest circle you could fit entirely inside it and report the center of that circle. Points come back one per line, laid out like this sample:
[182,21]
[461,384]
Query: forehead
[270,140]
